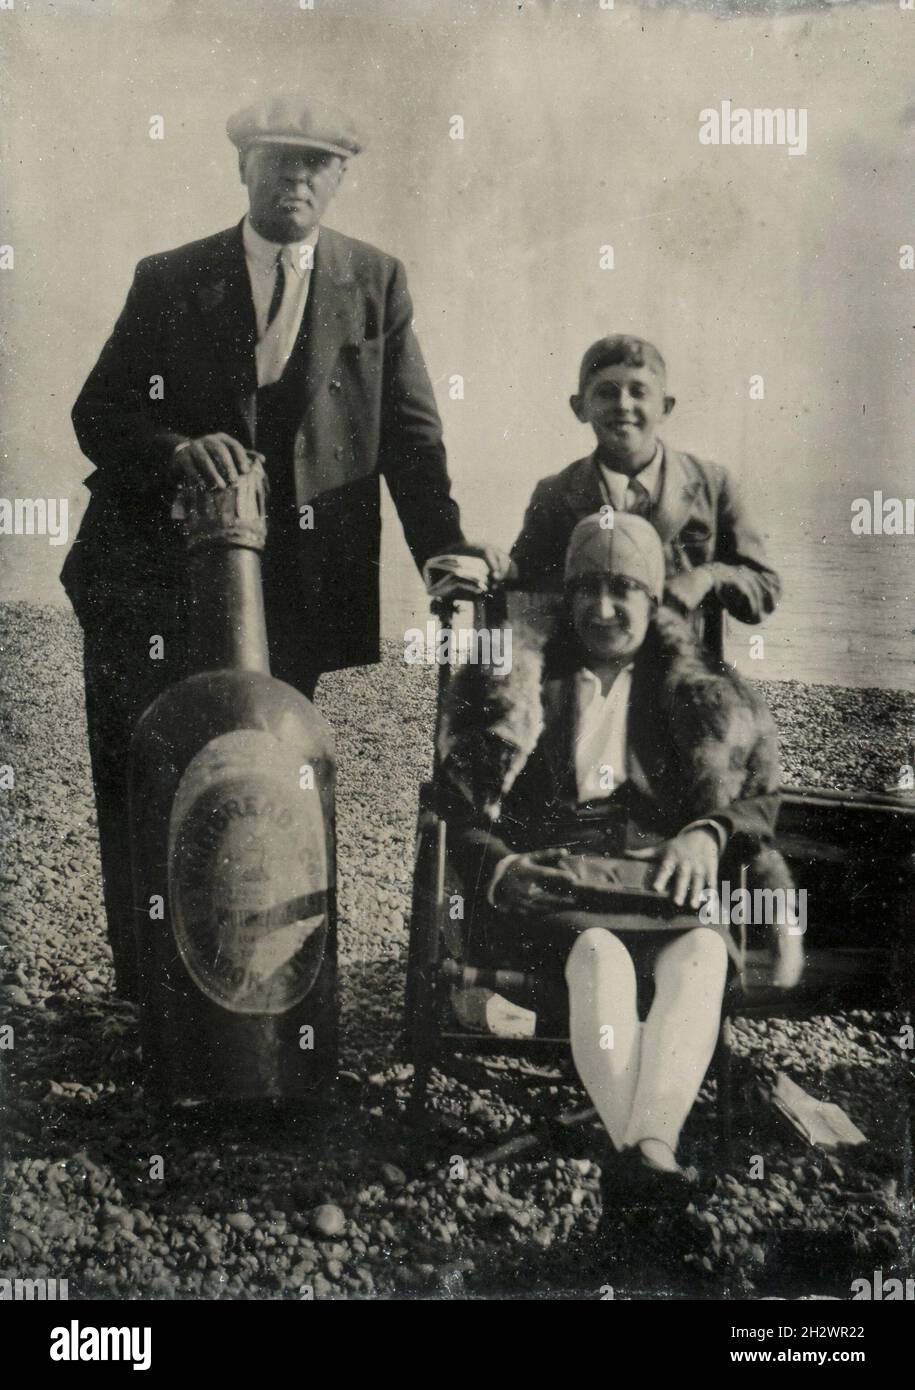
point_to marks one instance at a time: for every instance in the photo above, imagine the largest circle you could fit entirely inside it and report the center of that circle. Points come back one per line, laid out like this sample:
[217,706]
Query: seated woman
[620,713]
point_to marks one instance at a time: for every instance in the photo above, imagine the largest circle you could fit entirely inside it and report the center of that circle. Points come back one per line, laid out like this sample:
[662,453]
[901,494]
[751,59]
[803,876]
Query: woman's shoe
[648,1184]
[696,1179]
[632,1248]
[623,1180]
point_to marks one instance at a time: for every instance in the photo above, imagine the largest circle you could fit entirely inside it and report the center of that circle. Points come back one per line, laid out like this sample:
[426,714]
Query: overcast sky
[580,131]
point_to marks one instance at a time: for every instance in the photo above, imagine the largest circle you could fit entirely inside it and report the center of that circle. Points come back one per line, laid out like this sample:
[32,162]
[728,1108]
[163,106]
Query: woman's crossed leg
[643,1079]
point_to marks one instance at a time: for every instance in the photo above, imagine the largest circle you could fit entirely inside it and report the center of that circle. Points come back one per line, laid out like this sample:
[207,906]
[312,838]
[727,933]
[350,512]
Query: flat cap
[290,120]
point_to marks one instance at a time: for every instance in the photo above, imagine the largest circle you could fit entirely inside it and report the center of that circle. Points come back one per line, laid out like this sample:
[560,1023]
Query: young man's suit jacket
[181,363]
[699,517]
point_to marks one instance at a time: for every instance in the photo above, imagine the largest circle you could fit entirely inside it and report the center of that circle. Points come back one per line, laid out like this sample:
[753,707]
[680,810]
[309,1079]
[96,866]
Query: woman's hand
[688,865]
[535,883]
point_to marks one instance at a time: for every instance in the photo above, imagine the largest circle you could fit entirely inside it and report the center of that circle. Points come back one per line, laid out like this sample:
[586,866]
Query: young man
[714,556]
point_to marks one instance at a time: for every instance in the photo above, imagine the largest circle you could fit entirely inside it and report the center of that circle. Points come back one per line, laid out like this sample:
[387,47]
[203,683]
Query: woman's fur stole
[720,727]
[722,735]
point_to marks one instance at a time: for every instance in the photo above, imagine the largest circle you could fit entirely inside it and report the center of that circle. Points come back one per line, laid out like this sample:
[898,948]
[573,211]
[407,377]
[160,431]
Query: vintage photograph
[457,658]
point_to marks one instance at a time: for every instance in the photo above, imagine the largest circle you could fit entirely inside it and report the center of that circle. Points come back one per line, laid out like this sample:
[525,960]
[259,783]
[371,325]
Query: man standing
[279,338]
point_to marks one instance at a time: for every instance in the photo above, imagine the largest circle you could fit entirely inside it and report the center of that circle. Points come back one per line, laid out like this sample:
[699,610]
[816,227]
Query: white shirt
[274,344]
[621,494]
[600,734]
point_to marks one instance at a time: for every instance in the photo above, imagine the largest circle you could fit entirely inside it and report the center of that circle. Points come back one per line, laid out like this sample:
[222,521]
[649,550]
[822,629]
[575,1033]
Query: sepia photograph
[457,664]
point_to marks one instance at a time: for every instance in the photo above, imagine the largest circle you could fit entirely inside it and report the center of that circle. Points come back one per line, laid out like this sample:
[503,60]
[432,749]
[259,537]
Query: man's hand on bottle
[214,460]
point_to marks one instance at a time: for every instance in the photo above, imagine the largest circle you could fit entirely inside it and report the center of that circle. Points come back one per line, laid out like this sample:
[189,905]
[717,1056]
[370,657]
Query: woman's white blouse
[601,730]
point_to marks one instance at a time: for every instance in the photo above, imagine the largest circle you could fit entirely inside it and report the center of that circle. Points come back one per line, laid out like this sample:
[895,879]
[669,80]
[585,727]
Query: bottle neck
[227,628]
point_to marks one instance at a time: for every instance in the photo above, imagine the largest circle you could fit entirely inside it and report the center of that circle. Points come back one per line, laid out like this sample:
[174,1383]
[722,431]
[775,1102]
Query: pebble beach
[355,1206]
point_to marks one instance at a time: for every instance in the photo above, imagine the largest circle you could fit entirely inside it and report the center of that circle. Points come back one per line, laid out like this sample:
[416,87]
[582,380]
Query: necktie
[638,501]
[279,285]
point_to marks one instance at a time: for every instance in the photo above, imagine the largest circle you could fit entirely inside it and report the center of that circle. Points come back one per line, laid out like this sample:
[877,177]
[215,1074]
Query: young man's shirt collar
[618,483]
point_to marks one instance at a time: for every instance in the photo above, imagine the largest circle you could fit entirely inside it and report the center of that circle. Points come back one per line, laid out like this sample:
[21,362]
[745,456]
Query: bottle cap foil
[230,516]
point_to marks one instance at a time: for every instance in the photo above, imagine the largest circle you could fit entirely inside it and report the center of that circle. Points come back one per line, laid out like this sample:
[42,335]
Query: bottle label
[247,874]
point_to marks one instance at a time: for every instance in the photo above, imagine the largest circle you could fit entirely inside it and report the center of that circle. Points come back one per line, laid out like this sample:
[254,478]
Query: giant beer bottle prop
[232,831]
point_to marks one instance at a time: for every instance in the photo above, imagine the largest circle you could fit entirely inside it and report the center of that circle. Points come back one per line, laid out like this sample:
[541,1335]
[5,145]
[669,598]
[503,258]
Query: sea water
[846,616]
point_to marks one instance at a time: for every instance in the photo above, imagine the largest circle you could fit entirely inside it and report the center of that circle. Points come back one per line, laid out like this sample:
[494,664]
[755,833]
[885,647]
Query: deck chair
[852,853]
[437,962]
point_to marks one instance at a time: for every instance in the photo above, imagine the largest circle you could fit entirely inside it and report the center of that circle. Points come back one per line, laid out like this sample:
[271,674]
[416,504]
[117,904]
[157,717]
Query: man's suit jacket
[181,363]
[699,517]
